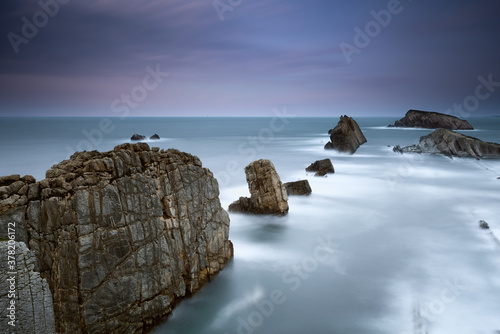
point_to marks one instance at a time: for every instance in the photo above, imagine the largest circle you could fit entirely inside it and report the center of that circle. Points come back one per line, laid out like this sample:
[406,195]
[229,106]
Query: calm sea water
[388,244]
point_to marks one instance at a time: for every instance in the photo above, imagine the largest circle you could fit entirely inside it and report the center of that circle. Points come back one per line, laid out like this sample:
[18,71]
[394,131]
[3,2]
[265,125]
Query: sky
[249,57]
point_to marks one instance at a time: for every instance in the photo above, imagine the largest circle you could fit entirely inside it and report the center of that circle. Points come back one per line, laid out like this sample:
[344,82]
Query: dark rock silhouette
[346,136]
[431,120]
[154,137]
[137,137]
[298,188]
[321,167]
[484,225]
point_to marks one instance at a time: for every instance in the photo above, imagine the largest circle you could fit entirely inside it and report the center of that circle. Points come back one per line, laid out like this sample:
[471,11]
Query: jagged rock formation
[346,136]
[154,137]
[298,188]
[122,236]
[267,193]
[321,167]
[450,143]
[431,120]
[32,311]
[137,137]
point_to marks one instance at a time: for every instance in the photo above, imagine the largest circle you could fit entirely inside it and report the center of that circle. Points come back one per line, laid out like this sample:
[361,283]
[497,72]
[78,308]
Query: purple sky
[92,57]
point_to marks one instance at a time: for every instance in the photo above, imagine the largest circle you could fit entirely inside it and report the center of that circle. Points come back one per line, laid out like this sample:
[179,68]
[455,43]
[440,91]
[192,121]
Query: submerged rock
[298,188]
[451,143]
[137,137]
[120,238]
[267,193]
[484,225]
[321,167]
[154,137]
[431,120]
[346,136]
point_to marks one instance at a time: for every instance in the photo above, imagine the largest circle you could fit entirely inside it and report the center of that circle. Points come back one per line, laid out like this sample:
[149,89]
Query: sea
[389,243]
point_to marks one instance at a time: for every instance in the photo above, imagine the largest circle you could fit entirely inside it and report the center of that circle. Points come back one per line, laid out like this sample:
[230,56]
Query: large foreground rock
[120,237]
[346,136]
[451,143]
[298,188]
[267,193]
[431,120]
[321,167]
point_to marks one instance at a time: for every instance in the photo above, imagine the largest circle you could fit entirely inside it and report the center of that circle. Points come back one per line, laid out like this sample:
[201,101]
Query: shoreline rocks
[120,237]
[452,144]
[346,136]
[298,188]
[321,167]
[267,193]
[431,120]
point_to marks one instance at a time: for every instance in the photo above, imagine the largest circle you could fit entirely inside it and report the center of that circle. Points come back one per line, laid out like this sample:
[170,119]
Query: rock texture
[346,136]
[137,137]
[321,167]
[450,143]
[33,311]
[122,236]
[431,120]
[267,193]
[299,188]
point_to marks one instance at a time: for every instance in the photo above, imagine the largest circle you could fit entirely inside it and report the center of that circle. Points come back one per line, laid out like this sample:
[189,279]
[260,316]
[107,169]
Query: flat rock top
[431,120]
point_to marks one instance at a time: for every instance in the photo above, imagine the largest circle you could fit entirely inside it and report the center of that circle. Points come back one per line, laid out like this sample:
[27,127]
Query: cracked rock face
[346,136]
[32,298]
[431,120]
[268,195]
[451,143]
[122,236]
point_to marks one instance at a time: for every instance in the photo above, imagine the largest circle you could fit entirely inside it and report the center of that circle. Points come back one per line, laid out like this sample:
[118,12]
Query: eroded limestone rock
[122,236]
[267,193]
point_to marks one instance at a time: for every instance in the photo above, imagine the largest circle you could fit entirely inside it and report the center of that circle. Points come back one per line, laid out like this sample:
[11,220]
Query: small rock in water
[321,167]
[484,225]
[154,137]
[137,137]
[299,188]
